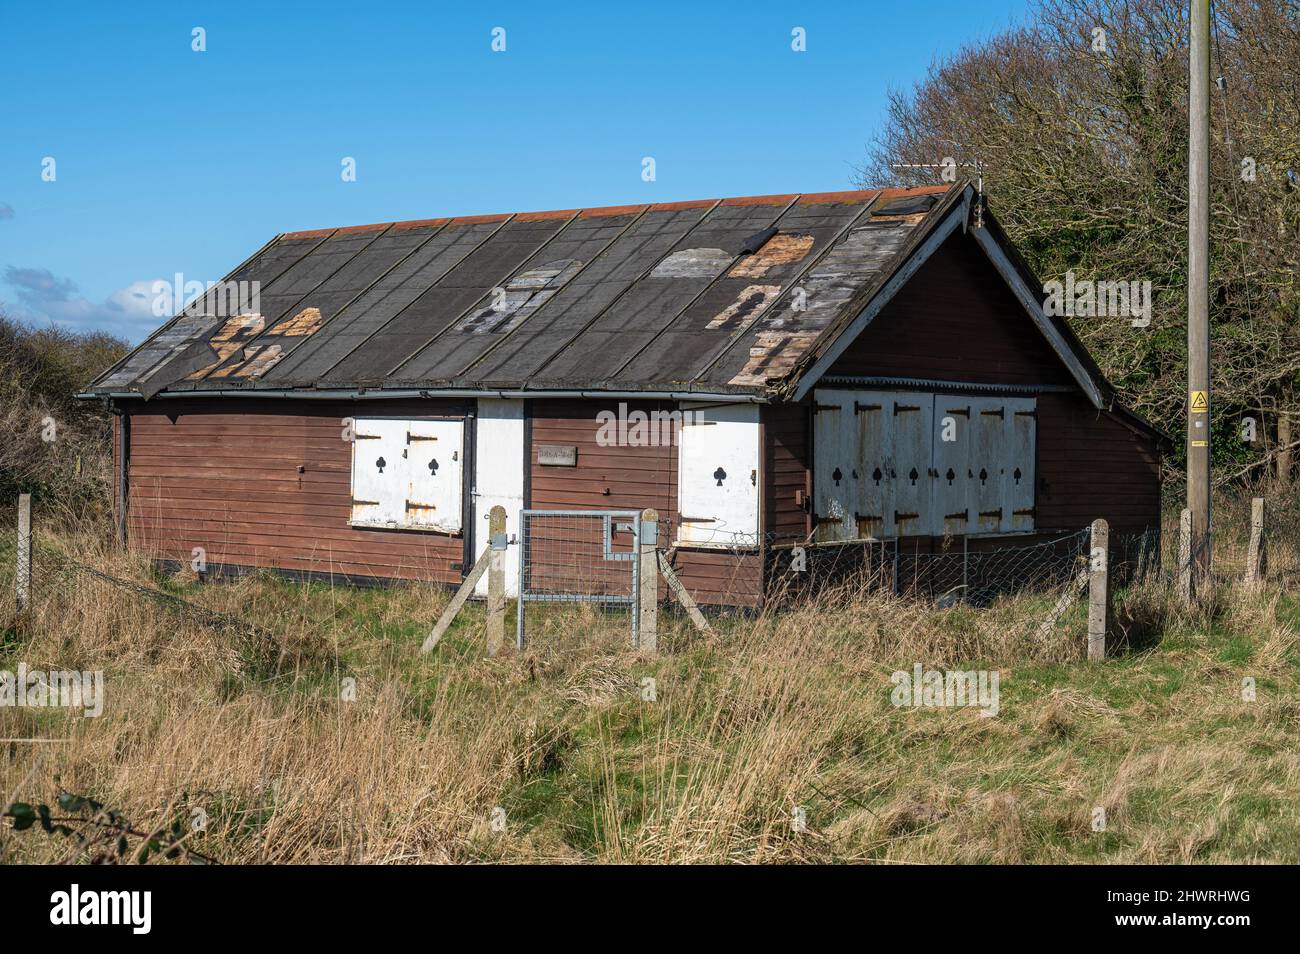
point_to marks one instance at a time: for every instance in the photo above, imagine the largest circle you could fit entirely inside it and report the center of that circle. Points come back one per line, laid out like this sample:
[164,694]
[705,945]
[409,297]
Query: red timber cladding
[1091,464]
[955,320]
[787,471]
[224,475]
[117,468]
[628,477]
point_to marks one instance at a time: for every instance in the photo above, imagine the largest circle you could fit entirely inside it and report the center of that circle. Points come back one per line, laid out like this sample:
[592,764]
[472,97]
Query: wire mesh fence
[579,557]
[585,563]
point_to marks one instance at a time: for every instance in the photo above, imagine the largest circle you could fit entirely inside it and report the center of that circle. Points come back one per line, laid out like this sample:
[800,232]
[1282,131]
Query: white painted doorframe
[499,462]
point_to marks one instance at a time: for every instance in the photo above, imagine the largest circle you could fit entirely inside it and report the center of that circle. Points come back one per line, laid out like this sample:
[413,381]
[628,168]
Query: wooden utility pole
[1198,296]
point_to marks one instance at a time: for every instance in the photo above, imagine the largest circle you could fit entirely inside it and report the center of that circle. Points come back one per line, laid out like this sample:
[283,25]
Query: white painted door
[718,460]
[499,462]
[910,461]
[952,464]
[1020,463]
[378,473]
[988,486]
[434,466]
[834,496]
[871,416]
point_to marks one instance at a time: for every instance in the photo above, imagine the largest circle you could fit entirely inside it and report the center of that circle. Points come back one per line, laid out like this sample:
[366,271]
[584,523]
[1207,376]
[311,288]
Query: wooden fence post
[1098,590]
[23,576]
[1257,554]
[496,619]
[648,568]
[1185,556]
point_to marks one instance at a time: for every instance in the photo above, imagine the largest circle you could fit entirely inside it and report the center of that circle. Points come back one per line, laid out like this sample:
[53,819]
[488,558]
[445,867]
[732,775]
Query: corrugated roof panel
[312,275]
[516,301]
[436,252]
[148,360]
[770,348]
[689,295]
[487,267]
[743,295]
[603,349]
[548,331]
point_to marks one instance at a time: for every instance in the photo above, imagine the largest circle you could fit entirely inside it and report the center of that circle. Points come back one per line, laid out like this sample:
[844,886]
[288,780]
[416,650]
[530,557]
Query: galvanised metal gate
[580,556]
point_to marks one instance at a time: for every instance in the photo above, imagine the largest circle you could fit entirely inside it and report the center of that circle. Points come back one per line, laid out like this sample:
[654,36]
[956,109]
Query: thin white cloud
[44,297]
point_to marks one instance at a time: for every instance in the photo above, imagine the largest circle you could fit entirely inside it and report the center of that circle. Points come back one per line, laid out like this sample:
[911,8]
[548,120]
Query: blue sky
[169,160]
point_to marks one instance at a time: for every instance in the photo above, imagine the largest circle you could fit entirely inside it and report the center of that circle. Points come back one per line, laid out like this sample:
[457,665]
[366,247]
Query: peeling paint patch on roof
[773,355]
[693,263]
[520,297]
[230,338]
[749,304]
[778,250]
[304,323]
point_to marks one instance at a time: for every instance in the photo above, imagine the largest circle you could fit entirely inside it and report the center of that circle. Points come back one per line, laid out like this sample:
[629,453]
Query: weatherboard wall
[264,484]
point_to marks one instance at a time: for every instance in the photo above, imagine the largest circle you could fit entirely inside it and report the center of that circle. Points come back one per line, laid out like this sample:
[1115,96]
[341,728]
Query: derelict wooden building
[849,366]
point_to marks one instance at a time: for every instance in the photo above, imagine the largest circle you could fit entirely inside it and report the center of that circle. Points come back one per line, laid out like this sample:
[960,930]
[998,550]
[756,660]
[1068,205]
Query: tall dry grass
[769,715]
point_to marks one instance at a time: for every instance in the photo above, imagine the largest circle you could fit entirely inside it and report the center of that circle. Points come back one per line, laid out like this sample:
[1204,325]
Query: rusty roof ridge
[591,210]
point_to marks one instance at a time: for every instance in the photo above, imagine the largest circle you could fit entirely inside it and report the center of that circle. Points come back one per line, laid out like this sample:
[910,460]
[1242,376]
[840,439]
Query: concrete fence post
[1185,556]
[1098,590]
[496,617]
[23,576]
[1256,556]
[648,568]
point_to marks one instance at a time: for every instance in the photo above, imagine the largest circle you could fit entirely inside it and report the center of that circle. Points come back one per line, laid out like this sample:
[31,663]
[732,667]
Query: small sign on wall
[555,455]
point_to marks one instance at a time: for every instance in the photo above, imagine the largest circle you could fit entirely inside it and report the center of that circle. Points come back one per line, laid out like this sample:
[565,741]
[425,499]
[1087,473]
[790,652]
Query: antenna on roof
[948,173]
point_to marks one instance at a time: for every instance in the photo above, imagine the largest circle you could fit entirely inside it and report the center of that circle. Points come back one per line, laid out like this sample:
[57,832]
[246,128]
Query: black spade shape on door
[984,475]
[1017,475]
[433,467]
[914,475]
[719,475]
[950,475]
[381,464]
[876,475]
[837,475]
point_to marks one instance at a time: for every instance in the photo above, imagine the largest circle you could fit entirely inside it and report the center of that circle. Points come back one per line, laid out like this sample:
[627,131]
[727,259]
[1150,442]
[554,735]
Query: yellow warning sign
[1200,443]
[1200,402]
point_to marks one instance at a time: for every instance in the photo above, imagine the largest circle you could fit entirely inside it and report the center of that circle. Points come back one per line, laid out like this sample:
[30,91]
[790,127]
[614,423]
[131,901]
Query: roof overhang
[393,394]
